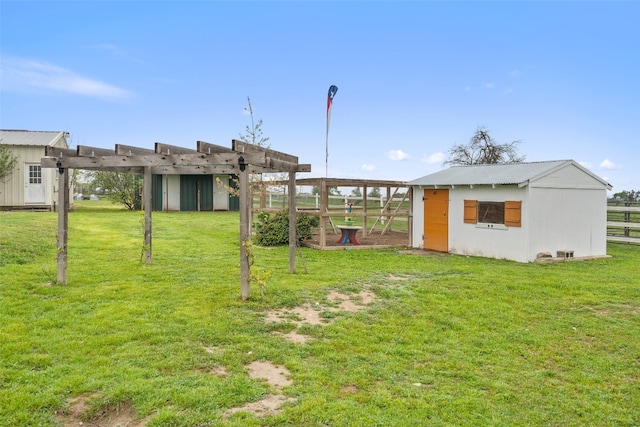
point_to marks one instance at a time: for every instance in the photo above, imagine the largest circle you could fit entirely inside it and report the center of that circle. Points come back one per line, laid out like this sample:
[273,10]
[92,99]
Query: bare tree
[254,133]
[482,150]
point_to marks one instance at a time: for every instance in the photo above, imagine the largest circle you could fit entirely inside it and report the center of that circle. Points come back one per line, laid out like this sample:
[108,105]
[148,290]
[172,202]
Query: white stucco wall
[553,219]
[477,239]
[563,210]
[494,241]
[568,219]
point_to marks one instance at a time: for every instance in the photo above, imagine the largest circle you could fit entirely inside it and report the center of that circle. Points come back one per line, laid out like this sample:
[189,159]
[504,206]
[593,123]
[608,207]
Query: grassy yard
[448,340]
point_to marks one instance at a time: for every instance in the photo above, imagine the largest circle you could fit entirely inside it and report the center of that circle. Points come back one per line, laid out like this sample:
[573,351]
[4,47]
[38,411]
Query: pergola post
[364,210]
[63,224]
[148,205]
[293,223]
[245,230]
[324,206]
[173,160]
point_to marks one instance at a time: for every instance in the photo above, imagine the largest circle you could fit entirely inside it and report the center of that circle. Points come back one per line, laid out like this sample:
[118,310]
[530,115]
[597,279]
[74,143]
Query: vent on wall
[565,254]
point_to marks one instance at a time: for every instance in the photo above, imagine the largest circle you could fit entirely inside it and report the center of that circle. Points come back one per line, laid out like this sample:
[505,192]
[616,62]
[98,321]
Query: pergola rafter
[242,160]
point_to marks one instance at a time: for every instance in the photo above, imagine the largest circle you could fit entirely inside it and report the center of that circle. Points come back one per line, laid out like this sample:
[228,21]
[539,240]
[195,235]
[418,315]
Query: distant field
[426,339]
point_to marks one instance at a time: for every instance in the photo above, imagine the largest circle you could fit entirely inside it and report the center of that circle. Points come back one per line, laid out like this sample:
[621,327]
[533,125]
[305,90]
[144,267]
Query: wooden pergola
[242,159]
[390,211]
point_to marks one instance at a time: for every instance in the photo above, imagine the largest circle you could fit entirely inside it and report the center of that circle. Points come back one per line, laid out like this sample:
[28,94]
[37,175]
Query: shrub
[273,230]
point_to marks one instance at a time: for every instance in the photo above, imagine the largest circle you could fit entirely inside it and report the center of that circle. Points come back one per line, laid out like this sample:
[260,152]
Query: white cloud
[20,74]
[368,168]
[609,165]
[433,158]
[397,155]
[489,85]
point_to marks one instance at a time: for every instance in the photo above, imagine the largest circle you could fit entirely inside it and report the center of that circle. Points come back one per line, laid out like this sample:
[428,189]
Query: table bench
[349,234]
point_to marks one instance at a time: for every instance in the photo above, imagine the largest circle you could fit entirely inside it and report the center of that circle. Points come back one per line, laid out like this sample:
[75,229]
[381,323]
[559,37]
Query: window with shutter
[471,211]
[513,214]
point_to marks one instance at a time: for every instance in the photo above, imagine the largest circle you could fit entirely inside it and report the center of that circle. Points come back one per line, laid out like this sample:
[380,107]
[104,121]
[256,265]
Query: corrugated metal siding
[193,187]
[25,137]
[489,174]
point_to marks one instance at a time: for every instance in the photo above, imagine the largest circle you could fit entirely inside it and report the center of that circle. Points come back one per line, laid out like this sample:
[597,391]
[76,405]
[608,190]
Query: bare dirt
[312,314]
[80,410]
[390,239]
[278,376]
[79,413]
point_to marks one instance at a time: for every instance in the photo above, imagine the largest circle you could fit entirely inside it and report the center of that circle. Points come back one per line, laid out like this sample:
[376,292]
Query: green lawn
[458,341]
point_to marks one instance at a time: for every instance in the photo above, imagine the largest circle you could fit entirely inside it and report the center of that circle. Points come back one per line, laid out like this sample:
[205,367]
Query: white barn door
[33,184]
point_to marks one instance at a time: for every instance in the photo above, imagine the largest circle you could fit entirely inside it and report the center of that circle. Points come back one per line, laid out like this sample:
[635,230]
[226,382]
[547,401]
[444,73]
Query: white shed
[30,186]
[512,211]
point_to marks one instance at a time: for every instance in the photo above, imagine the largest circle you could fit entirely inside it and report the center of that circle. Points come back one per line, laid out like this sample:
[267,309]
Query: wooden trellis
[242,159]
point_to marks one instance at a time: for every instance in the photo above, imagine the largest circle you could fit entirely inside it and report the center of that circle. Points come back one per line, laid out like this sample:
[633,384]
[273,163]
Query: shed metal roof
[26,137]
[502,174]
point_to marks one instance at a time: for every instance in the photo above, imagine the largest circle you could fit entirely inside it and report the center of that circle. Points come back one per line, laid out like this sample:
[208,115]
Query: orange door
[436,220]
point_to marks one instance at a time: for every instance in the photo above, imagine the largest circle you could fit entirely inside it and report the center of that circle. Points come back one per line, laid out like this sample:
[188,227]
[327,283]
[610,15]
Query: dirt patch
[80,413]
[298,315]
[351,303]
[277,377]
[348,389]
[294,337]
[313,314]
[218,371]
[270,405]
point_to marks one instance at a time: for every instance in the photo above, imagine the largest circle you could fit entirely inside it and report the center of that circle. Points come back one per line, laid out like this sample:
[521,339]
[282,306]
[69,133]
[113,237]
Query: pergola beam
[208,148]
[242,160]
[85,151]
[127,150]
[170,150]
[245,147]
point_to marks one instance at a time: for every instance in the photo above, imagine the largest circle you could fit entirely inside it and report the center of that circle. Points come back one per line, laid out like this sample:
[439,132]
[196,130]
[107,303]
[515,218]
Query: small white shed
[30,186]
[512,211]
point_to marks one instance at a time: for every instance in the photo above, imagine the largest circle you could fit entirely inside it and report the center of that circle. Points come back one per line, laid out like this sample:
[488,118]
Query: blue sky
[414,78]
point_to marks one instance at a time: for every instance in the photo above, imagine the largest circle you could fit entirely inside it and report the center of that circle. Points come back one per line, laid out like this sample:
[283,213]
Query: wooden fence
[623,222]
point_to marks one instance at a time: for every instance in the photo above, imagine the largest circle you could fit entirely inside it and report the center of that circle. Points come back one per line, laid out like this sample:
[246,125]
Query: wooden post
[147,196]
[63,224]
[323,211]
[410,216]
[245,230]
[365,201]
[293,222]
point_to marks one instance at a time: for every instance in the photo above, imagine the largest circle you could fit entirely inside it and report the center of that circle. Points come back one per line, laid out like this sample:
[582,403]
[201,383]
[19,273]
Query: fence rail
[623,222]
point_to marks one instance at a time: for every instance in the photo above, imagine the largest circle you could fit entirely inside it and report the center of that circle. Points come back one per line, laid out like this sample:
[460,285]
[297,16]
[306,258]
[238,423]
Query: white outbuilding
[29,186]
[515,211]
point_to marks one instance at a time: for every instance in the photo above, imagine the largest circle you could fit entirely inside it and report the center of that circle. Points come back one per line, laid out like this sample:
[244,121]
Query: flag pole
[332,92]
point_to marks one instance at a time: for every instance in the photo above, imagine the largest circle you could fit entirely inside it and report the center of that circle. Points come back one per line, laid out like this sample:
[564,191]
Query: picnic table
[349,234]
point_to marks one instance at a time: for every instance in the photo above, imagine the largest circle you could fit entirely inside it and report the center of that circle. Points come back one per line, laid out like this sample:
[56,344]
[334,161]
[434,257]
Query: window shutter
[471,211]
[512,214]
